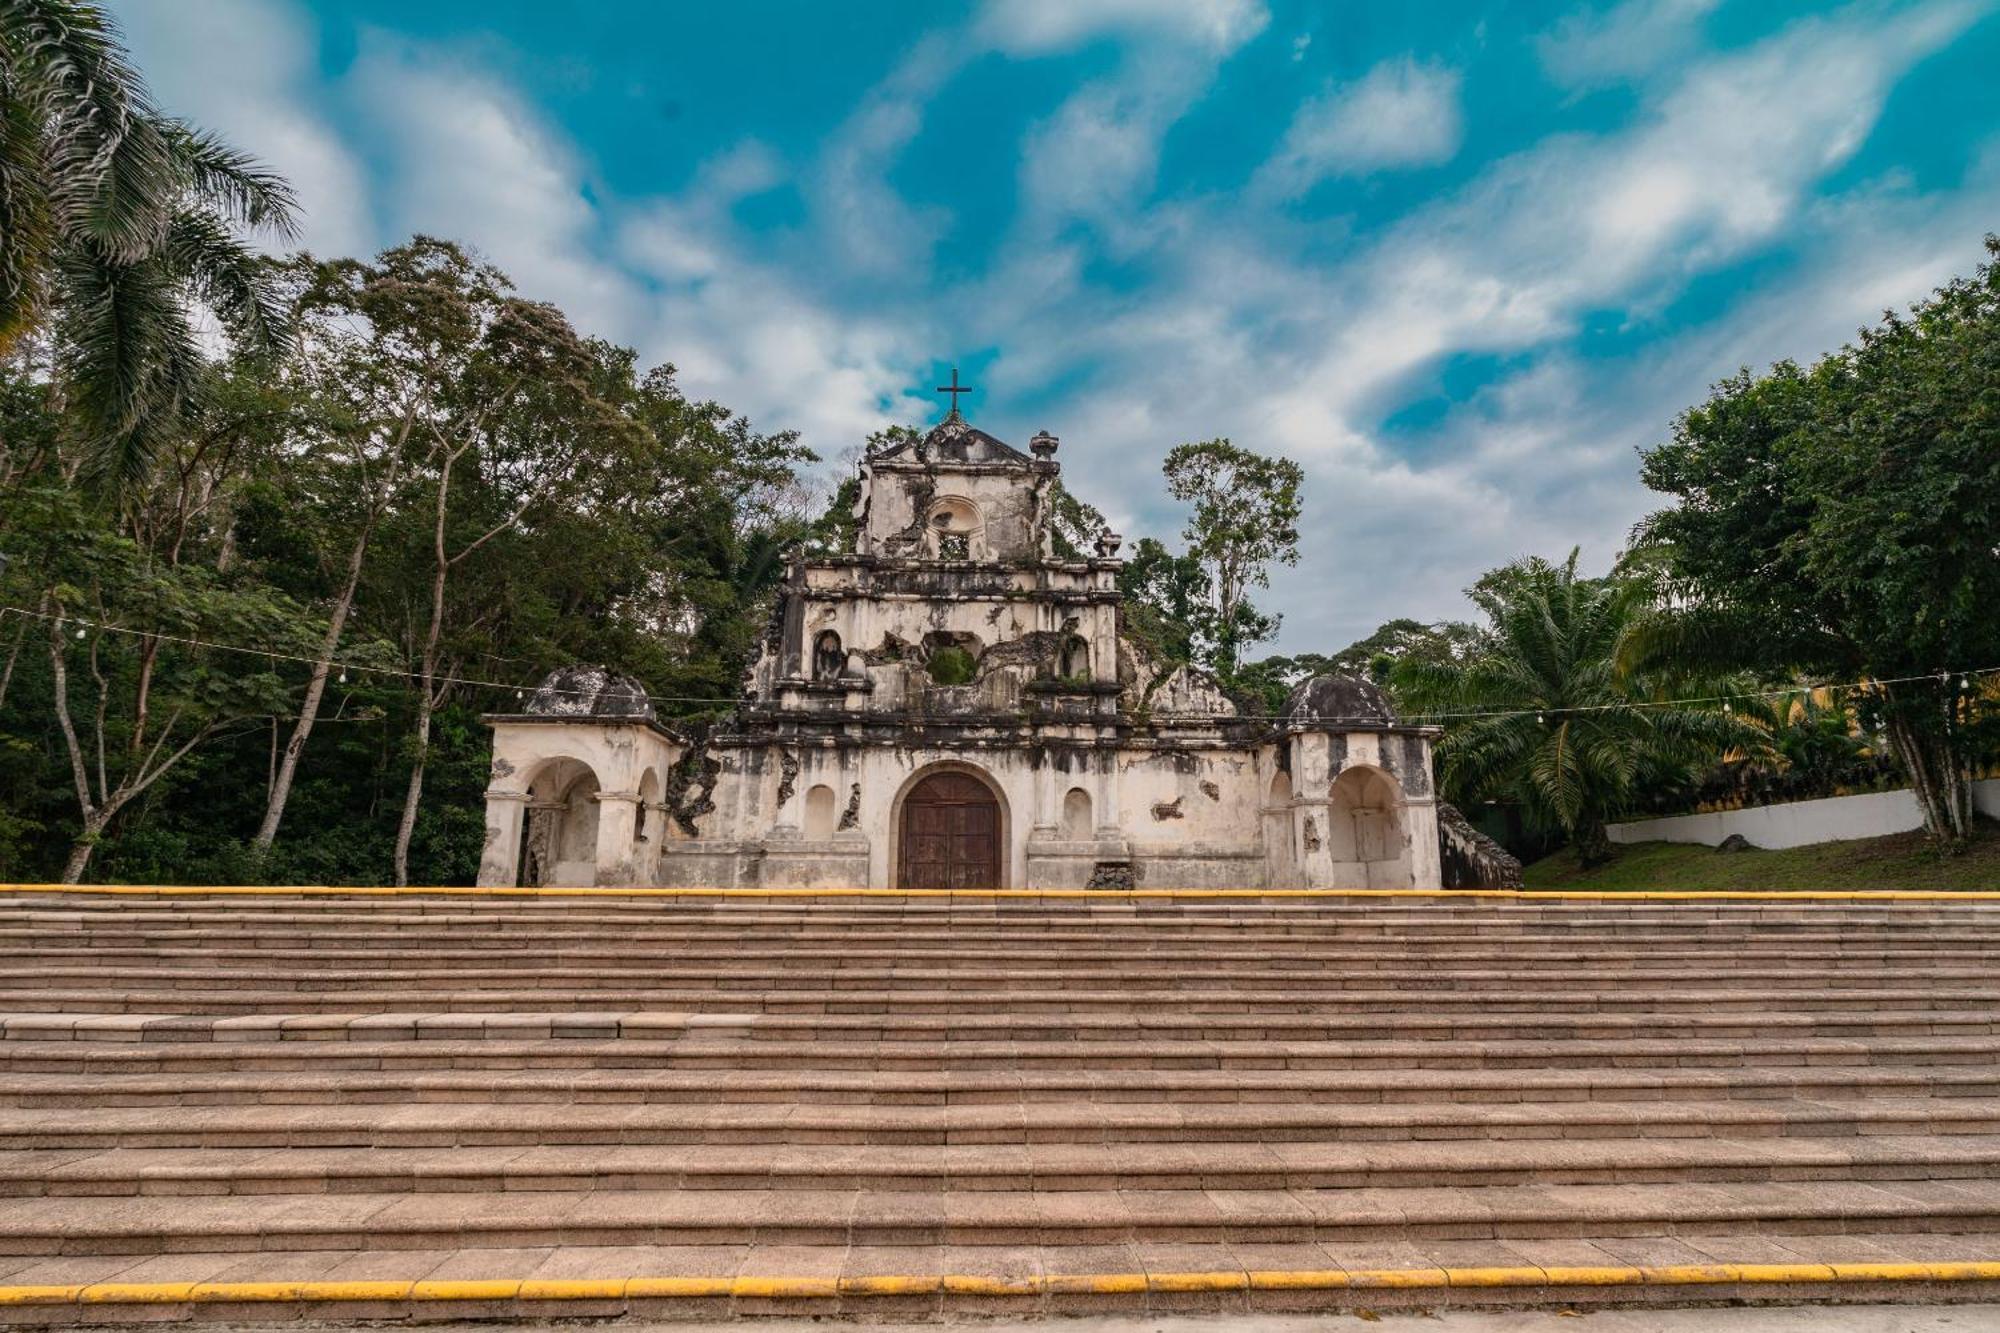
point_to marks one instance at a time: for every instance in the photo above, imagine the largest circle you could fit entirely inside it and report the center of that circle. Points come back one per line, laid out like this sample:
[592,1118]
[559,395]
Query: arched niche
[560,846]
[1073,663]
[829,659]
[1076,815]
[1364,836]
[1280,838]
[820,816]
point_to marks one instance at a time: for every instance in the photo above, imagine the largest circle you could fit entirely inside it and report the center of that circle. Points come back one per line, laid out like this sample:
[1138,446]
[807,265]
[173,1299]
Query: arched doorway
[950,835]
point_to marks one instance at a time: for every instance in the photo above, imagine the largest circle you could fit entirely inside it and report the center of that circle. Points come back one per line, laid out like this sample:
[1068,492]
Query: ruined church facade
[951,704]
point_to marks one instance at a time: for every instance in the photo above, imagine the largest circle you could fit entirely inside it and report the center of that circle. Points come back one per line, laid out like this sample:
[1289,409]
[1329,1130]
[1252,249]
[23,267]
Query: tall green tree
[1540,713]
[119,228]
[125,600]
[1843,522]
[1244,518]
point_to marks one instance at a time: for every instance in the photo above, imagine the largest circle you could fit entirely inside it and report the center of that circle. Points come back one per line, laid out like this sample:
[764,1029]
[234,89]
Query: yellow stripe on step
[1094,1284]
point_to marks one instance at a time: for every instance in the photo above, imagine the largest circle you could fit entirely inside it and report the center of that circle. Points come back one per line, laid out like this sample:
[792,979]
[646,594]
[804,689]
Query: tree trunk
[1593,844]
[288,766]
[79,853]
[1939,779]
[427,702]
[413,795]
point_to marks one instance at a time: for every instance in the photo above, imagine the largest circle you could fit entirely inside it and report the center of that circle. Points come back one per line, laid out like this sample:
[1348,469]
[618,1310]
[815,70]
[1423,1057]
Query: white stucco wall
[1802,823]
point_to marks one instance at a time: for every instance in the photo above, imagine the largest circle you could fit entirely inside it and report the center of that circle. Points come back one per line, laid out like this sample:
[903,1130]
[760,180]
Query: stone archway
[561,843]
[951,832]
[1364,835]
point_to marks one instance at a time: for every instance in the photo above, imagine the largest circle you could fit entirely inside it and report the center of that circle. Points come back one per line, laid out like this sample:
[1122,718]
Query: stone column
[1421,827]
[1110,819]
[617,825]
[500,860]
[658,817]
[1312,782]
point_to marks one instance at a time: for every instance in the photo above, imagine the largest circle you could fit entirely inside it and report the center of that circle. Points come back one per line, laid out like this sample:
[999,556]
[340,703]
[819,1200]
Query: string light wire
[1541,714]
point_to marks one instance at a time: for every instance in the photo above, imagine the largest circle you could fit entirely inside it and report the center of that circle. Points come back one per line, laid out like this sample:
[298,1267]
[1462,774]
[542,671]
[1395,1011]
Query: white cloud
[1040,27]
[465,158]
[244,70]
[1400,114]
[869,226]
[1096,157]
[1592,48]
[1719,166]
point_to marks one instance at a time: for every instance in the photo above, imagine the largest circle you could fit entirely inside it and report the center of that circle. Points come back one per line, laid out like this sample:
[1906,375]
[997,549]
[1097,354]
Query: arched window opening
[829,660]
[1076,815]
[954,525]
[819,813]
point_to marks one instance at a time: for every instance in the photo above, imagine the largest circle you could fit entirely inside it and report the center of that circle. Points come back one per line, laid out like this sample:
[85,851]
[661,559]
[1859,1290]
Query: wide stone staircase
[450,1105]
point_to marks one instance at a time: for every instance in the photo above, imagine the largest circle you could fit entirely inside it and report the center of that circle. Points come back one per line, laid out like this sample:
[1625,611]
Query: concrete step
[1059,1167]
[641,947]
[93,1048]
[473,1124]
[867,1094]
[1296,1013]
[801,1085]
[529,1219]
[723,1029]
[1209,984]
[871,1285]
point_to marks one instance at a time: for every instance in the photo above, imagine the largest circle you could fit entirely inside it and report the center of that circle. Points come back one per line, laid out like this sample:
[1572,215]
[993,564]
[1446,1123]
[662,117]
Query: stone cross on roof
[954,389]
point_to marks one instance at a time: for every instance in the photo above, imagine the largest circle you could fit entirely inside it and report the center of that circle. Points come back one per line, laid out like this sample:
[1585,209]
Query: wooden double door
[950,835]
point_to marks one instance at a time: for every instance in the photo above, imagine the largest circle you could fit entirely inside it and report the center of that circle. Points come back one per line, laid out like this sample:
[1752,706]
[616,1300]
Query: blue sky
[1458,260]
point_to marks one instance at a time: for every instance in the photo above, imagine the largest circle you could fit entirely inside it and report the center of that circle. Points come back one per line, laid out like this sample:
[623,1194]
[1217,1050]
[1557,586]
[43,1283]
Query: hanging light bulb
[1541,719]
[1964,683]
[1728,707]
[79,631]
[343,675]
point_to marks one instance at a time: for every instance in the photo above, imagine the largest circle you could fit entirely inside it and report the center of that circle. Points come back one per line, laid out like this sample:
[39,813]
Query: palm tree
[119,228]
[1540,713]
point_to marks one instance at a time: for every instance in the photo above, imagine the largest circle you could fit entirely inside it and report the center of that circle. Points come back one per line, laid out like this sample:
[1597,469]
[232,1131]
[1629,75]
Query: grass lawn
[1901,861]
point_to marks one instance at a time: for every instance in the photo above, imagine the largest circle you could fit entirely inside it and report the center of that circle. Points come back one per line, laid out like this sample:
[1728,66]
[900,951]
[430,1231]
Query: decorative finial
[954,389]
[1043,445]
[1108,543]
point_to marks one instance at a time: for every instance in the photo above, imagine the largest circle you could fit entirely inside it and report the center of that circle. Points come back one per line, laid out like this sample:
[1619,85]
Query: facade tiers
[954,638]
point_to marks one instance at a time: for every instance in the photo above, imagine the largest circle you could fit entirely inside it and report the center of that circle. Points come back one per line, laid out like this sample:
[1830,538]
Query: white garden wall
[1802,823]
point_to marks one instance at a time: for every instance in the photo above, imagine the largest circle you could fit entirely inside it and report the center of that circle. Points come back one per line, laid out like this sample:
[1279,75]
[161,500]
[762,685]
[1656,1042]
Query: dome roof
[590,691]
[1339,701]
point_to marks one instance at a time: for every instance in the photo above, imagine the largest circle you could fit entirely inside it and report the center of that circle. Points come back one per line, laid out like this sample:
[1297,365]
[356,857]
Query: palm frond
[232,182]
[129,358]
[230,278]
[105,164]
[27,232]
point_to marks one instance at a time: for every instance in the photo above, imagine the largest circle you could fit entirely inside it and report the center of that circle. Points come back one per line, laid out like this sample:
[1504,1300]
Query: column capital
[496,795]
[631,796]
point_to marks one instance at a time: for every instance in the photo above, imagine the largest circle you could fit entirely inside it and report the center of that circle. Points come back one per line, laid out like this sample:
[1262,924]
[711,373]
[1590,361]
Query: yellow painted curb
[1092,1284]
[1094,895]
